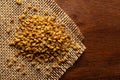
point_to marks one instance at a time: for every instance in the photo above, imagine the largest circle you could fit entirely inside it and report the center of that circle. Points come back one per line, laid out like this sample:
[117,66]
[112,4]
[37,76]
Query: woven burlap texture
[9,9]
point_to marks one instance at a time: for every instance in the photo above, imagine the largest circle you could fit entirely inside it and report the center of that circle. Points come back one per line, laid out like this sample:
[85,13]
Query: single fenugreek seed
[22,17]
[22,63]
[18,68]
[38,68]
[24,72]
[17,28]
[14,59]
[16,54]
[29,6]
[35,9]
[55,65]
[25,11]
[12,43]
[47,67]
[33,63]
[8,30]
[10,64]
[47,74]
[46,12]
[19,2]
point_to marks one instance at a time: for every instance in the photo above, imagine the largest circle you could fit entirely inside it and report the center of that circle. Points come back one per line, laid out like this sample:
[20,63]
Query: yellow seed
[38,68]
[25,11]
[29,6]
[23,64]
[35,8]
[10,64]
[12,43]
[33,63]
[19,2]
[22,17]
[46,12]
[17,28]
[47,74]
[24,73]
[16,54]
[47,67]
[18,68]
[46,60]
[55,65]
[14,59]
[8,30]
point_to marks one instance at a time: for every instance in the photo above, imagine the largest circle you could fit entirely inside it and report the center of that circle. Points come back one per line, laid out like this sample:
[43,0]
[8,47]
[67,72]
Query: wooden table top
[99,21]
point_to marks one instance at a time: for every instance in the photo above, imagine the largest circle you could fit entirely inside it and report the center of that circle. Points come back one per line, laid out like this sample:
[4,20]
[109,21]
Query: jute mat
[9,9]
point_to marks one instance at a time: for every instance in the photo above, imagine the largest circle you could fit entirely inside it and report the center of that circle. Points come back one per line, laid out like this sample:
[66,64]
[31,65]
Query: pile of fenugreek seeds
[40,39]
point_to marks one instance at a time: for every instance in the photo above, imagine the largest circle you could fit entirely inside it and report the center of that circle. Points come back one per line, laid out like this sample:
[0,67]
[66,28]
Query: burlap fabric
[9,9]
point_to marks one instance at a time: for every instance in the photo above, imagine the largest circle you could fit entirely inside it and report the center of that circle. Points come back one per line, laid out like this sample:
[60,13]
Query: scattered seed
[24,72]
[17,28]
[12,43]
[33,63]
[29,6]
[10,64]
[38,68]
[35,9]
[55,66]
[14,59]
[18,68]
[47,74]
[19,2]
[46,12]
[23,64]
[25,11]
[8,30]
[47,67]
[16,54]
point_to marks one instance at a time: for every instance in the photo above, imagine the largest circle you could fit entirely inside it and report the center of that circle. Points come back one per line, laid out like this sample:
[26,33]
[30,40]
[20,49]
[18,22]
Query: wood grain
[99,21]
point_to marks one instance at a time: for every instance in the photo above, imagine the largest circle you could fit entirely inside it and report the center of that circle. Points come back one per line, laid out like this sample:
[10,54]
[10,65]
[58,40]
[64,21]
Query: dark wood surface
[99,21]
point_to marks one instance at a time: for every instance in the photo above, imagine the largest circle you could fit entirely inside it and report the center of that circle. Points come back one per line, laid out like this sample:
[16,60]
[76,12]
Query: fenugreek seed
[78,46]
[22,17]
[19,2]
[25,11]
[47,67]
[16,54]
[46,60]
[8,30]
[54,14]
[23,64]
[46,12]
[47,74]
[33,63]
[23,72]
[14,59]
[38,68]
[12,43]
[17,28]
[29,6]
[18,68]
[55,66]
[35,9]
[10,64]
